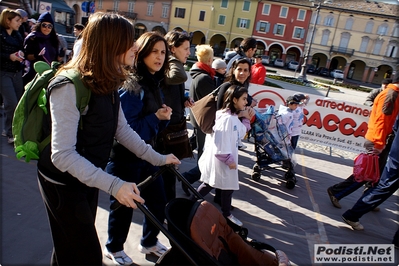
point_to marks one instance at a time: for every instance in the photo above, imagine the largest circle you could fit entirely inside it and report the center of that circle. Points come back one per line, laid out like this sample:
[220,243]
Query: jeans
[350,185]
[388,184]
[11,90]
[121,218]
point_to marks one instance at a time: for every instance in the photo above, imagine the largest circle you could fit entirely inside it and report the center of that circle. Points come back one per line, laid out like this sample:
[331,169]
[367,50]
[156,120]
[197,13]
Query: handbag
[366,168]
[193,141]
[174,139]
[204,111]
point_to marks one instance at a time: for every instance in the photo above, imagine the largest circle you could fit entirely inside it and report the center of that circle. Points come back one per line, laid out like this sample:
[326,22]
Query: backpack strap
[82,98]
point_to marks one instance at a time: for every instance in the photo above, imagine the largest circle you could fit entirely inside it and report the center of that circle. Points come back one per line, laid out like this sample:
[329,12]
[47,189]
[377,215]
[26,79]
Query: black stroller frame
[184,250]
[266,149]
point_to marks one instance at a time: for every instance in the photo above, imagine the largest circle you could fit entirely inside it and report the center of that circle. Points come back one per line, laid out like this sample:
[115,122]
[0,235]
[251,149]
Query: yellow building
[361,39]
[221,23]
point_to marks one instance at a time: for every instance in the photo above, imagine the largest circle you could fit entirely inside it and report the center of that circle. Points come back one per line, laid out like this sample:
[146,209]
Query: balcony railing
[341,50]
[130,15]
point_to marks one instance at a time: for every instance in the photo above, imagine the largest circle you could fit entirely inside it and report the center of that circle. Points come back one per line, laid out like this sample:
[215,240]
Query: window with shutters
[349,24]
[243,23]
[279,29]
[222,19]
[266,9]
[382,29]
[202,16]
[325,37]
[224,3]
[130,6]
[150,9]
[392,50]
[263,26]
[364,44]
[299,33]
[301,15]
[329,21]
[283,12]
[165,10]
[369,27]
[246,5]
[180,12]
[377,47]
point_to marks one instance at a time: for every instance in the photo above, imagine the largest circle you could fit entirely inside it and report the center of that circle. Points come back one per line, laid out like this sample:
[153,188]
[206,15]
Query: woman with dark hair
[218,163]
[142,104]
[71,168]
[11,88]
[42,44]
[174,91]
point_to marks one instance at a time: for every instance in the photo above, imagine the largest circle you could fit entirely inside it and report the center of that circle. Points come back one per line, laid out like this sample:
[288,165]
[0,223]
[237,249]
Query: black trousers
[71,211]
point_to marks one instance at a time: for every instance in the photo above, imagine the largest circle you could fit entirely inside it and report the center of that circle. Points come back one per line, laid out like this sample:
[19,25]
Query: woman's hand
[164,113]
[129,193]
[233,166]
[14,57]
[189,103]
[171,159]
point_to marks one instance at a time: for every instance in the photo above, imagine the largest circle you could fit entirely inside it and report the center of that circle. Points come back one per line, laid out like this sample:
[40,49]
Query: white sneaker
[234,220]
[3,133]
[157,250]
[10,140]
[355,225]
[119,258]
[242,146]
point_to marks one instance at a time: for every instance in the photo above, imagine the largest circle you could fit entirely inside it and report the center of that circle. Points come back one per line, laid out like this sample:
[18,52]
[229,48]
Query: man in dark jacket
[373,93]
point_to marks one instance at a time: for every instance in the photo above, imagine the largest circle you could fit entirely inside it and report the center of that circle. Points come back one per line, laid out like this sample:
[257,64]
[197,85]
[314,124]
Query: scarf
[44,41]
[207,69]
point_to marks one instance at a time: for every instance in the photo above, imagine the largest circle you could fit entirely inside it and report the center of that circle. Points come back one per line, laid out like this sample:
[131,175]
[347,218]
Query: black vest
[94,139]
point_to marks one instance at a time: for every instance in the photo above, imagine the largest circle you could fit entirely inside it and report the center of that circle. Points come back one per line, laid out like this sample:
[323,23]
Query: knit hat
[218,63]
[46,17]
[22,12]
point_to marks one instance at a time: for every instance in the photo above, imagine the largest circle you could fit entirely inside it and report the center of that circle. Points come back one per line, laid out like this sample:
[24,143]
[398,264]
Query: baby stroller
[272,146]
[200,235]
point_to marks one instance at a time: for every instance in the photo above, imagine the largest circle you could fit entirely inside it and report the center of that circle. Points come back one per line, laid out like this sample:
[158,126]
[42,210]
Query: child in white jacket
[218,163]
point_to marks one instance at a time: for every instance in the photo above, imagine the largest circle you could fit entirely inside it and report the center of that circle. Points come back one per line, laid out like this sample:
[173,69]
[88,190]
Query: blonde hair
[204,53]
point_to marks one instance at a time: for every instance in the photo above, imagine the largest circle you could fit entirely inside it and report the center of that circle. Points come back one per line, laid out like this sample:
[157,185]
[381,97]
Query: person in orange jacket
[258,71]
[378,138]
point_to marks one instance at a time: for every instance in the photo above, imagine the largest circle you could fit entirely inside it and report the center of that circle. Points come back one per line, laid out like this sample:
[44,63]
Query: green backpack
[31,111]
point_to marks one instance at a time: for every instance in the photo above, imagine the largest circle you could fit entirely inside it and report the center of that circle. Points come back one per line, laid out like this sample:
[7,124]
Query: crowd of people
[138,91]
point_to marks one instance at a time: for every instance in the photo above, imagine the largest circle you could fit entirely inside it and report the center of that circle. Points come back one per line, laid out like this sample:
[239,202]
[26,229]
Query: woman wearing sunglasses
[42,45]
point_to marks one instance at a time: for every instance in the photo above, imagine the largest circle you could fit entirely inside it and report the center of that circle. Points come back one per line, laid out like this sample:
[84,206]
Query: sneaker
[242,147]
[376,209]
[234,220]
[10,140]
[119,258]
[333,199]
[355,225]
[3,133]
[157,250]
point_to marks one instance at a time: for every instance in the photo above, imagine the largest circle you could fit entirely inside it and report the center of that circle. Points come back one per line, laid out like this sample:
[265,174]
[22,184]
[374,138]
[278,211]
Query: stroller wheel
[256,168]
[255,176]
[290,180]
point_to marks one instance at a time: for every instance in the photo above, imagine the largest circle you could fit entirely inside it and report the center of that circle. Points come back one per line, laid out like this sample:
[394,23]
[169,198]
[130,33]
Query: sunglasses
[48,26]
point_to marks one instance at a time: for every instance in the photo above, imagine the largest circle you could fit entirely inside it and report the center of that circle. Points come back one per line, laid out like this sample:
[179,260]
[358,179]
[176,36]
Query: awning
[61,6]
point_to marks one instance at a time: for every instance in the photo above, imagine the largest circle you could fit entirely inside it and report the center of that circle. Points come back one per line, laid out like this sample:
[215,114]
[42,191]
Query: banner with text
[328,122]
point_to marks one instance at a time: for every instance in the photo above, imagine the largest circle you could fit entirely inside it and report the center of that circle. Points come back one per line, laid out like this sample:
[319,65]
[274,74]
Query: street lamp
[302,75]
